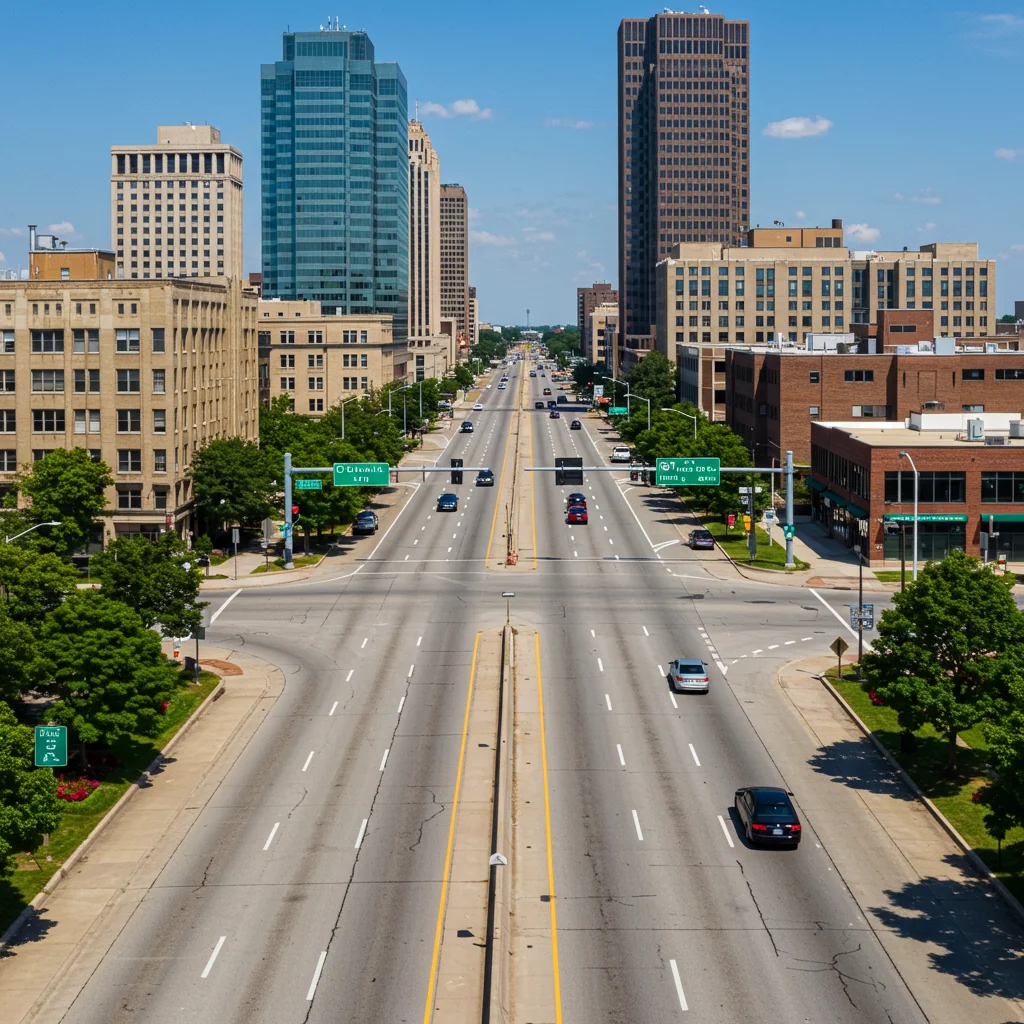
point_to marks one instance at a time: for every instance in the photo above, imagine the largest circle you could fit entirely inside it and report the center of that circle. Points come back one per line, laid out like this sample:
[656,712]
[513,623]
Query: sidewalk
[55,951]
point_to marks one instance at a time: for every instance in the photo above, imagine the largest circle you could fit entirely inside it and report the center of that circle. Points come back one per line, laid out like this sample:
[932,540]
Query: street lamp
[917,481]
[688,416]
[862,533]
[508,595]
[648,401]
[354,398]
[7,540]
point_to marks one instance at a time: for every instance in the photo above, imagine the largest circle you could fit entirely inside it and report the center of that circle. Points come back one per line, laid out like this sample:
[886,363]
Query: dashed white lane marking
[608,701]
[401,704]
[645,631]
[334,707]
[366,640]
[316,976]
[696,759]
[449,551]
[416,541]
[636,822]
[804,639]
[384,759]
[622,759]
[672,697]
[270,838]
[411,668]
[406,559]
[679,985]
[771,647]
[725,829]
[419,640]
[758,651]
[593,634]
[213,957]
[575,554]
[351,673]
[788,642]
[362,832]
[600,665]
[308,759]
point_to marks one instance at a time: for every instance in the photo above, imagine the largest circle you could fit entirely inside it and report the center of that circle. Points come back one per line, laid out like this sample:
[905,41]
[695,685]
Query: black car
[485,478]
[467,427]
[563,399]
[575,425]
[448,503]
[552,404]
[767,815]
[576,498]
[365,522]
[538,405]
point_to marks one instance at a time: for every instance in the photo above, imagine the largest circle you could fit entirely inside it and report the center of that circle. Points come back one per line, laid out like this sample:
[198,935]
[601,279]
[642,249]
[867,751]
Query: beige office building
[139,373]
[455,262]
[176,206]
[604,320]
[424,238]
[319,359]
[474,316]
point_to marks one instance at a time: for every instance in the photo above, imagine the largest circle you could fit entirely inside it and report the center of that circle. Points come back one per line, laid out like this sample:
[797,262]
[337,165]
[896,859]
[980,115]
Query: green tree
[106,669]
[464,376]
[1004,794]
[654,377]
[151,578]
[586,375]
[948,648]
[17,657]
[29,807]
[1007,318]
[233,481]
[66,487]
[511,334]
[33,583]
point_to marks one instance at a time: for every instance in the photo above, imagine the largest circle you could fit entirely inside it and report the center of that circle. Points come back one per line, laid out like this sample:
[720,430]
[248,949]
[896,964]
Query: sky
[903,119]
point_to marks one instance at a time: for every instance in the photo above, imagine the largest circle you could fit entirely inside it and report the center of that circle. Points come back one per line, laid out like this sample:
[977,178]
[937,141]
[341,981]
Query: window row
[83,340]
[54,421]
[934,487]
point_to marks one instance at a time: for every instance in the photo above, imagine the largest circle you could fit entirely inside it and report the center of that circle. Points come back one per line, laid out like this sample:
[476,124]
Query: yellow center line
[533,510]
[428,1011]
[547,826]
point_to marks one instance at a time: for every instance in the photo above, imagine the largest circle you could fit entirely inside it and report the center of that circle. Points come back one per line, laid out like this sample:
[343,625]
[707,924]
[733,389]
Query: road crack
[430,817]
[757,907]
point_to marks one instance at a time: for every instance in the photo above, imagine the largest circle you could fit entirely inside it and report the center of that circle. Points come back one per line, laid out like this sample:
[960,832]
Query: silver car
[688,674]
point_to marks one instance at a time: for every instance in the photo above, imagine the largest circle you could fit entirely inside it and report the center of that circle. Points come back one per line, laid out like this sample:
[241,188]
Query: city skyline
[535,143]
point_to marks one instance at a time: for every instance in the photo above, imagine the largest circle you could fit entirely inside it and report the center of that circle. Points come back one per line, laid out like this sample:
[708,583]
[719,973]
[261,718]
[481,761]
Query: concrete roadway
[308,888]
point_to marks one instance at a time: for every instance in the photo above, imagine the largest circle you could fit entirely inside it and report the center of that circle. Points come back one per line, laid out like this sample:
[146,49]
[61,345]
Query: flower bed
[75,790]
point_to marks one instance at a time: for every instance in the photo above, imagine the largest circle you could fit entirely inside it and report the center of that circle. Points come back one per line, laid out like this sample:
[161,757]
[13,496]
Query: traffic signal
[456,471]
[295,510]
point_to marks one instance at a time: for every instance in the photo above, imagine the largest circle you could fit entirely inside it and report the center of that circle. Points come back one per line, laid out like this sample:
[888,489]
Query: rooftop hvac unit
[975,430]
[997,439]
[1017,428]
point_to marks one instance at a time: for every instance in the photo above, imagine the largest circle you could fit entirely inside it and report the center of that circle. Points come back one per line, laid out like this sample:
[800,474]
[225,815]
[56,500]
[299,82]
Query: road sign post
[51,746]
[839,646]
[688,472]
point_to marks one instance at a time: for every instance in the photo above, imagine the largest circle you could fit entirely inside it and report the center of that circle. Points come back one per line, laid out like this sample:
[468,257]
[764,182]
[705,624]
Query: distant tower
[527,319]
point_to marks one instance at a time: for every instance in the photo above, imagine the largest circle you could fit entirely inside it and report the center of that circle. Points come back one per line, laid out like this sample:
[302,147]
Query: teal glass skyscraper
[335,163]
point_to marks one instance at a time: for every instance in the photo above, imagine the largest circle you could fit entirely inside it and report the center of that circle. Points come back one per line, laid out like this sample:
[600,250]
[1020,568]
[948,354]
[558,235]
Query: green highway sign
[618,410]
[688,472]
[51,746]
[309,485]
[362,474]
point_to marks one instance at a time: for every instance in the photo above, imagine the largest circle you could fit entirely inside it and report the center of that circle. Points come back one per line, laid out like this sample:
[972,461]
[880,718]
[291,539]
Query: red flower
[875,699]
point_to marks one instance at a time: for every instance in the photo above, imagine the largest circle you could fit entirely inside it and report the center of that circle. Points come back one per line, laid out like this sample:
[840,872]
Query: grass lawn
[277,565]
[891,576]
[773,557]
[79,819]
[952,796]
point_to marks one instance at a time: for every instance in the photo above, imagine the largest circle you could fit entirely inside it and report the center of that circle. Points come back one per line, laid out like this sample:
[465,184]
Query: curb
[1012,903]
[19,922]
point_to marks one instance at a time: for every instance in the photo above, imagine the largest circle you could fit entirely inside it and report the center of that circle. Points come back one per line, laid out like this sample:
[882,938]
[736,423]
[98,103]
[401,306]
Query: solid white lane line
[216,615]
[419,640]
[636,821]
[213,956]
[600,665]
[411,669]
[270,838]
[725,829]
[308,759]
[645,632]
[351,673]
[846,625]
[384,759]
[679,985]
[362,832]
[608,701]
[401,704]
[316,976]
[622,760]
[334,707]
[672,697]
[696,759]
[366,640]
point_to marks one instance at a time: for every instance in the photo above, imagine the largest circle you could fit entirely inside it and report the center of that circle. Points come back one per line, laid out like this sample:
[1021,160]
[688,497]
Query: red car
[577,514]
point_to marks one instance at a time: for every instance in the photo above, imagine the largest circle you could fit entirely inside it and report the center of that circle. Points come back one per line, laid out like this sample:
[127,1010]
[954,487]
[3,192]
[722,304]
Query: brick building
[587,300]
[971,482]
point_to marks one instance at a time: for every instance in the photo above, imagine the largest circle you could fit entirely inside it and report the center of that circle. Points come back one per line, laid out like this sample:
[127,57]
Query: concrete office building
[455,262]
[587,300]
[684,150]
[176,206]
[601,330]
[318,358]
[141,373]
[424,237]
[474,314]
[335,197]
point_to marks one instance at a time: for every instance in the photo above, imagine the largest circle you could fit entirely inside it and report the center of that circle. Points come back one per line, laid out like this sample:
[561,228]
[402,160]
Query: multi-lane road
[308,887]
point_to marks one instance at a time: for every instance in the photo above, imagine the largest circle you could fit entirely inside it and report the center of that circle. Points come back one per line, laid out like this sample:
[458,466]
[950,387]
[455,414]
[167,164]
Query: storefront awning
[924,517]
[857,512]
[1003,517]
[815,484]
[836,500]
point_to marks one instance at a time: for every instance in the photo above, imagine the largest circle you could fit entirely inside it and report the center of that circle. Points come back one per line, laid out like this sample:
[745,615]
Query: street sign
[746,490]
[599,391]
[362,474]
[839,646]
[769,515]
[268,528]
[731,519]
[309,485]
[788,531]
[863,614]
[688,472]
[618,410]
[51,746]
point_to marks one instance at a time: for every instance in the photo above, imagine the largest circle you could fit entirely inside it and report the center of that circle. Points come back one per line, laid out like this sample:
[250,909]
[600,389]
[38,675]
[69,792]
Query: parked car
[767,815]
[689,674]
[577,514]
[467,427]
[365,522]
[485,478]
[620,453]
[701,538]
[575,425]
[448,503]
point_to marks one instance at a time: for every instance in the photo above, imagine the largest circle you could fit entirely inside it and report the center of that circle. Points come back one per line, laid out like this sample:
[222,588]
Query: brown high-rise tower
[684,150]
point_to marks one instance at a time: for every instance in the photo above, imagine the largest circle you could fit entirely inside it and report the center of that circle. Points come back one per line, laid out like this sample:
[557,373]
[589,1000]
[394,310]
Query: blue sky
[912,130]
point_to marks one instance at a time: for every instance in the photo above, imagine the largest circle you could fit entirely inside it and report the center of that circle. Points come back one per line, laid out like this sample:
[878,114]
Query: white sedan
[477,406]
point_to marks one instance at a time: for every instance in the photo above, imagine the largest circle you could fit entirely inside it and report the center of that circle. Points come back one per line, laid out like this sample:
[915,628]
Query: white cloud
[593,272]
[568,122]
[486,238]
[925,197]
[3,258]
[474,215]
[862,233]
[927,228]
[800,215]
[535,235]
[797,127]
[458,108]
[63,227]
[1002,22]
[11,232]
[1004,153]
[582,254]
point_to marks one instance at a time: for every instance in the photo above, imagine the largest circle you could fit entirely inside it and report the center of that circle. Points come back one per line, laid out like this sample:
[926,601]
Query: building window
[1010,373]
[159,421]
[316,405]
[7,341]
[815,377]
[815,411]
[8,460]
[158,339]
[160,498]
[47,341]
[129,421]
[48,381]
[316,384]
[126,340]
[94,421]
[48,421]
[1002,488]
[287,360]
[858,375]
[159,382]
[7,421]
[287,383]
[936,487]
[7,381]
[129,497]
[129,460]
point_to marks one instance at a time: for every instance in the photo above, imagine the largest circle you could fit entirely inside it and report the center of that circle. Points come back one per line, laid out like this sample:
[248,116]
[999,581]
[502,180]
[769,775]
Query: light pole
[917,481]
[508,595]
[354,398]
[648,401]
[7,540]
[688,416]
[614,381]
[862,530]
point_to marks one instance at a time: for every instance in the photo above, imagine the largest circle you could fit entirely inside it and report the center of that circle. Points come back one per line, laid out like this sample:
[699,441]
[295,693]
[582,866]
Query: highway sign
[688,472]
[362,474]
[618,410]
[51,746]
[839,646]
[599,391]
[309,485]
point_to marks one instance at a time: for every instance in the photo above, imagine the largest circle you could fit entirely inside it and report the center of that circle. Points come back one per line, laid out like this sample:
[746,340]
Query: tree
[233,481]
[29,807]
[1007,318]
[33,583]
[1004,794]
[654,378]
[948,648]
[586,375]
[464,376]
[17,657]
[151,578]
[66,487]
[106,669]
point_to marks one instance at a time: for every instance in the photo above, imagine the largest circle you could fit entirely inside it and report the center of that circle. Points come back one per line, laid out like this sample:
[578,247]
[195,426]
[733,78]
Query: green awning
[857,512]
[1003,517]
[940,517]
[836,500]
[816,484]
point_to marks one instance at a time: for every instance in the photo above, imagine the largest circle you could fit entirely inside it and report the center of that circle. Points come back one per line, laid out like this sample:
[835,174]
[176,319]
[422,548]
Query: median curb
[1012,903]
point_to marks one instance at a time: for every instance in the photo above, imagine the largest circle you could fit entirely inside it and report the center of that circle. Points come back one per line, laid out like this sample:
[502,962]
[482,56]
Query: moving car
[620,453]
[501,387]
[554,415]
[533,373]
[448,503]
[701,539]
[575,425]
[467,427]
[477,406]
[563,399]
[767,815]
[576,499]
[688,674]
[538,405]
[552,404]
[547,391]
[485,478]
[365,522]
[576,514]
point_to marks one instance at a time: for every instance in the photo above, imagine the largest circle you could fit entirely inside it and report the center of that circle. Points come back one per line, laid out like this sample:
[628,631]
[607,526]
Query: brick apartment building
[970,489]
[774,396]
